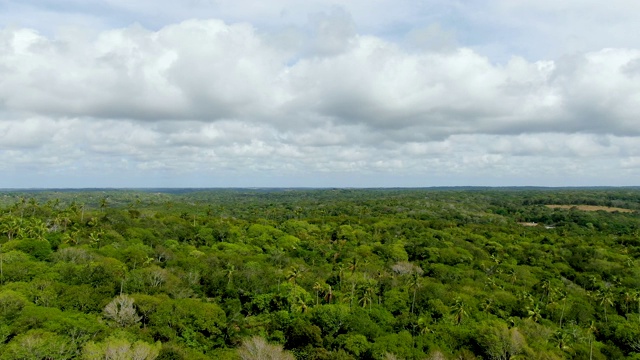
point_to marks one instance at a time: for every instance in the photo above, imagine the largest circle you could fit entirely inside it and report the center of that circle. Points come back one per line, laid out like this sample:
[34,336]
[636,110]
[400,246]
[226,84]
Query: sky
[315,93]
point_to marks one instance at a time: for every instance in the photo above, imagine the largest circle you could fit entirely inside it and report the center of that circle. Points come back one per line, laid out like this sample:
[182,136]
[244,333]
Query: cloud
[208,154]
[206,99]
[212,71]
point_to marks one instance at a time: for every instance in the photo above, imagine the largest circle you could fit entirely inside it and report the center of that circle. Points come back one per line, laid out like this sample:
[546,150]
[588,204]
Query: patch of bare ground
[590,208]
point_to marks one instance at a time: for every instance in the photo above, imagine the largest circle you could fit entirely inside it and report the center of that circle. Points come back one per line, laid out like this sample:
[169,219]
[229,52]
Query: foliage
[464,273]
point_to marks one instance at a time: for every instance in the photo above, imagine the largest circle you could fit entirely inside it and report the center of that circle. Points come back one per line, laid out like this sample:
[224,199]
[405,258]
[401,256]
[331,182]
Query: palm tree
[459,312]
[630,263]
[535,313]
[300,305]
[491,283]
[526,296]
[513,276]
[627,297]
[1,270]
[66,238]
[10,227]
[95,237]
[563,295]
[368,292]
[547,288]
[52,204]
[562,339]
[487,305]
[65,219]
[229,271]
[73,207]
[328,294]
[380,276]
[293,275]
[82,212]
[350,296]
[340,273]
[33,203]
[20,204]
[103,204]
[353,266]
[591,330]
[414,283]
[423,325]
[148,260]
[605,298]
[636,297]
[37,230]
[318,287]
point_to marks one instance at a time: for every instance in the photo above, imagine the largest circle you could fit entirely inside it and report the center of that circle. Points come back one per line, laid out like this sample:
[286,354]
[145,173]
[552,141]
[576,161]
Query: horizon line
[324,187]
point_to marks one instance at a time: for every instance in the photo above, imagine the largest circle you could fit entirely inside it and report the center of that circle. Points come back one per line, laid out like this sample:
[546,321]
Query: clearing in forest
[590,208]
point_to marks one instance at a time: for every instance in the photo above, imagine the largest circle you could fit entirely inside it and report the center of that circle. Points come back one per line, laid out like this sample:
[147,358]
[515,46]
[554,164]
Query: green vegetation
[319,274]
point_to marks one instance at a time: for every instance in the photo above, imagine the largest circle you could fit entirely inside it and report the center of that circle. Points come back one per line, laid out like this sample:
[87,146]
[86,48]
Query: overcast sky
[315,93]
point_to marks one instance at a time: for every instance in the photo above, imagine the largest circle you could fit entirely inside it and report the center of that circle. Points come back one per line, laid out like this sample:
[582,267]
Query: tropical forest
[320,274]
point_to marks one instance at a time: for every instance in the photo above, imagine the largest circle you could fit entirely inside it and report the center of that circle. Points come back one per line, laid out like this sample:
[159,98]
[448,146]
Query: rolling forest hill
[437,273]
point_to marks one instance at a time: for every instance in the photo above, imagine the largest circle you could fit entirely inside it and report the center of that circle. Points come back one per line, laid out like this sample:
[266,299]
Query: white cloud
[208,99]
[212,71]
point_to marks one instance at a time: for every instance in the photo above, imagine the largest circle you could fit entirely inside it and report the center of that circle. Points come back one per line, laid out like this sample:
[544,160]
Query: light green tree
[115,348]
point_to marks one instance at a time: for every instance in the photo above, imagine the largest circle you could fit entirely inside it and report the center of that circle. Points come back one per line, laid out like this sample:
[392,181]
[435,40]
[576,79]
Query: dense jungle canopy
[439,273]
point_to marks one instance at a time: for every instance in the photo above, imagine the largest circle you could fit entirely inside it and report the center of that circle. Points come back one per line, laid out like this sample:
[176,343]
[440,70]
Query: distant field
[590,208]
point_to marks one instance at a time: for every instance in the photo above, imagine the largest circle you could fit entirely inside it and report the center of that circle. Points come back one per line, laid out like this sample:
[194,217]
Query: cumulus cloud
[212,71]
[223,99]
